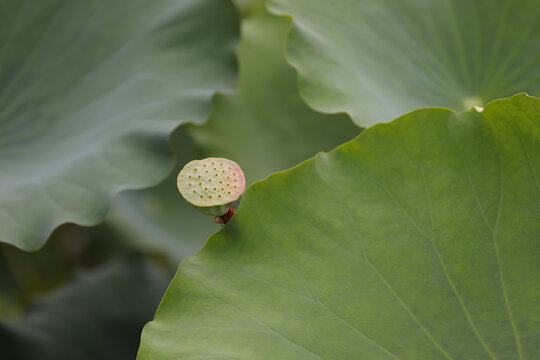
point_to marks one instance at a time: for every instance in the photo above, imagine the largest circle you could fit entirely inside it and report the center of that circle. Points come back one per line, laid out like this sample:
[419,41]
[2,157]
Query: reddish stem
[223,219]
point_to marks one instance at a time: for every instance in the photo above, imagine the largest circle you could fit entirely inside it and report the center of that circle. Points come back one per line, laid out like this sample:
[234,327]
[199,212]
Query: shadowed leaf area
[99,314]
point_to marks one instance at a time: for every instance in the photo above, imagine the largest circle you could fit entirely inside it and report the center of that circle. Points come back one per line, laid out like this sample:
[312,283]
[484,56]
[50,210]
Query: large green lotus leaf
[264,127]
[89,93]
[417,240]
[377,60]
[97,316]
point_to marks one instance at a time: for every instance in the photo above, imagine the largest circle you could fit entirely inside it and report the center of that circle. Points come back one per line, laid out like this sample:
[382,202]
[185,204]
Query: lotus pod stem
[212,185]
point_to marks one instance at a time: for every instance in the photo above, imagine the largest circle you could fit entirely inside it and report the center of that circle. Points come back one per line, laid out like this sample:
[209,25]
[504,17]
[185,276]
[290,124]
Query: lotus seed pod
[211,184]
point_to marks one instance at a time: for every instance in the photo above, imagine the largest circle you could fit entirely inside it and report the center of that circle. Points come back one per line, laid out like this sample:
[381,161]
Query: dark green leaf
[89,93]
[98,316]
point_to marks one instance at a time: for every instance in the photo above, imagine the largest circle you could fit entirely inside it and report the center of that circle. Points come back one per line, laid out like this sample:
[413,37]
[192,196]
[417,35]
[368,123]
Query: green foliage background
[418,239]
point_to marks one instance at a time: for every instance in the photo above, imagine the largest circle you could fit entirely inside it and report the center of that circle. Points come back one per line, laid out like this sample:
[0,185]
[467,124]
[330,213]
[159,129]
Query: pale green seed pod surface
[211,184]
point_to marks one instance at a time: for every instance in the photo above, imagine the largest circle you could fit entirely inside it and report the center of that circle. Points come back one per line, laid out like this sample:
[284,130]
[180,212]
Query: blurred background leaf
[377,60]
[265,127]
[97,315]
[89,94]
[247,8]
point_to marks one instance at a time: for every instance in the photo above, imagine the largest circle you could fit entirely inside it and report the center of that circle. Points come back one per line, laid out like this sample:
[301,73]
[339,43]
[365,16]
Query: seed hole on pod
[209,196]
[194,191]
[228,192]
[204,165]
[215,189]
[230,168]
[219,195]
[209,180]
[215,169]
[205,188]
[195,169]
[221,189]
[234,180]
[221,164]
[201,197]
[206,171]
[215,175]
[221,182]
[200,184]
[213,163]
